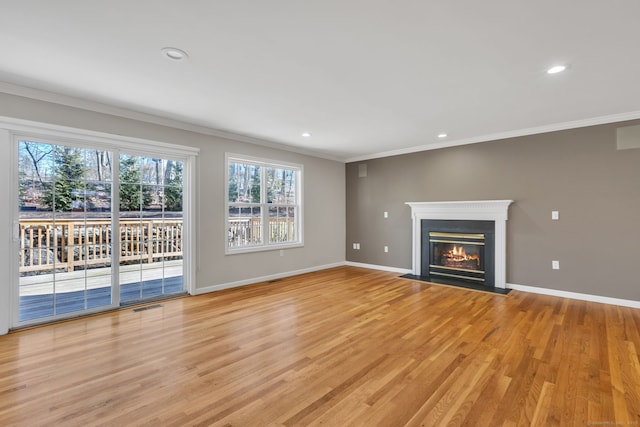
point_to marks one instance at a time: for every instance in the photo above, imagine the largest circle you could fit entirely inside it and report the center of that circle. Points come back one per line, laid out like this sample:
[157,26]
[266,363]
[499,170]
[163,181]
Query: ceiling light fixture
[306,134]
[442,135]
[174,53]
[556,69]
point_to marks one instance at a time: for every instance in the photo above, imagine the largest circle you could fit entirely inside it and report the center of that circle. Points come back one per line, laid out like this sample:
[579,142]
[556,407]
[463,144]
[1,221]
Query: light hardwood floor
[345,346]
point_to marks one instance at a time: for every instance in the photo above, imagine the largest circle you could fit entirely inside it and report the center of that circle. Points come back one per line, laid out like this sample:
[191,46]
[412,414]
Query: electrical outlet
[281,252]
[555,265]
[386,214]
[355,246]
[555,215]
[386,248]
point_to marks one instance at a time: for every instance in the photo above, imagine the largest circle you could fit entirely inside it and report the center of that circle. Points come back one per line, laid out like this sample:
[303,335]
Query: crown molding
[97,107]
[613,118]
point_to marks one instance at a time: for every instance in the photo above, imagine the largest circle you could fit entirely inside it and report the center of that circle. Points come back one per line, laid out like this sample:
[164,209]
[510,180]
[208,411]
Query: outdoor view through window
[67,228]
[263,205]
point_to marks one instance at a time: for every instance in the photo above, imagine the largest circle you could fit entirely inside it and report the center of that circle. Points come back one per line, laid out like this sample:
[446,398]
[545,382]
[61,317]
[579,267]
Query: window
[263,204]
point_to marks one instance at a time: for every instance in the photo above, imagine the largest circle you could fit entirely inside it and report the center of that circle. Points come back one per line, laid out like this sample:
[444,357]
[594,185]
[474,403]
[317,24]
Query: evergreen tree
[133,196]
[173,188]
[68,184]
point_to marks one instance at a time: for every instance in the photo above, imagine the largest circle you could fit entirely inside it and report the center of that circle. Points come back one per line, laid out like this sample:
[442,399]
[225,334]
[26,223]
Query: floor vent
[147,307]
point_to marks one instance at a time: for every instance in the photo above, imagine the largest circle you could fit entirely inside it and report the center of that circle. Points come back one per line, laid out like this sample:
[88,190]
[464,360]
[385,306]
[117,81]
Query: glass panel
[64,229]
[70,291]
[152,279]
[281,224]
[99,286]
[244,226]
[150,196]
[130,280]
[35,165]
[129,170]
[151,170]
[98,199]
[290,187]
[173,274]
[100,166]
[244,183]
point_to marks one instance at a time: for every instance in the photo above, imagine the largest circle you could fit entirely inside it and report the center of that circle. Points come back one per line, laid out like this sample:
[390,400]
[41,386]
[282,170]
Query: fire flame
[458,254]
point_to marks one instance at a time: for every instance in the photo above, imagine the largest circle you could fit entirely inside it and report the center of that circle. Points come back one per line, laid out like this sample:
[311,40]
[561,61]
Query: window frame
[264,164]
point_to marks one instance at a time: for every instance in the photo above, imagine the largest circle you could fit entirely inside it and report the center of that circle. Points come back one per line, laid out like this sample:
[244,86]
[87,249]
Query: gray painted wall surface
[324,193]
[578,172]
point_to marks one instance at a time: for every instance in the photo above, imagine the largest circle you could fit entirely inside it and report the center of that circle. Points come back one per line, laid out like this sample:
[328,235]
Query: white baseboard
[575,295]
[378,267]
[199,291]
[523,288]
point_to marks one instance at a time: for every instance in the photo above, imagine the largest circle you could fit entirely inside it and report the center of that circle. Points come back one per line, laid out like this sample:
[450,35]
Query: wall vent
[147,307]
[628,137]
[362,170]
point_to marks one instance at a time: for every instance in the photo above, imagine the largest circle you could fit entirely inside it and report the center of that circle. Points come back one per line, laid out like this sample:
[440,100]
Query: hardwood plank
[339,347]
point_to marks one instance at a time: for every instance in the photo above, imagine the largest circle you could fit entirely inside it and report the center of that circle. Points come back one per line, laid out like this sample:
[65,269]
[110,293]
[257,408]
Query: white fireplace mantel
[480,210]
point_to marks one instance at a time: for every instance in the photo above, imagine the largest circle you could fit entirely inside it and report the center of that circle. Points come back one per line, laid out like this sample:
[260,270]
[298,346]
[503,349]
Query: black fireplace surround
[458,252]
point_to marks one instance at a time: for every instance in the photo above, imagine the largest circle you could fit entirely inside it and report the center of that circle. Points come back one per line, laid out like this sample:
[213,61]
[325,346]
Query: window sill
[251,249]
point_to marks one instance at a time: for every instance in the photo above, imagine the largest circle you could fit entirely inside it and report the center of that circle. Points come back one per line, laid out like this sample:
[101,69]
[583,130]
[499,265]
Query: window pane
[281,186]
[244,226]
[290,185]
[99,166]
[282,224]
[129,170]
[244,183]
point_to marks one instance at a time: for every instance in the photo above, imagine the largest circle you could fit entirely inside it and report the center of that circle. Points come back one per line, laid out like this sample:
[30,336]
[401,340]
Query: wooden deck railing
[46,245]
[248,231]
[67,244]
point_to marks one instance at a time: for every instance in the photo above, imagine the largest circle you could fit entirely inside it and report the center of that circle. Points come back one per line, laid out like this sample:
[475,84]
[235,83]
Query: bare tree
[34,151]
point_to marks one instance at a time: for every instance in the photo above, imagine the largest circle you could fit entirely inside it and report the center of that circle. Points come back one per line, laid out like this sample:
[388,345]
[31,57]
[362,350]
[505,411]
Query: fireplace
[468,241]
[458,251]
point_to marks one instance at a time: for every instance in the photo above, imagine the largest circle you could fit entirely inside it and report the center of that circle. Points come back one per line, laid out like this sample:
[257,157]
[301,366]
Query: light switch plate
[555,215]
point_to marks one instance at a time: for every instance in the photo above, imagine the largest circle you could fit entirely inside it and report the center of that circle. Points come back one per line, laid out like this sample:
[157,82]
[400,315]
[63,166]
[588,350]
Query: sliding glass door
[75,256]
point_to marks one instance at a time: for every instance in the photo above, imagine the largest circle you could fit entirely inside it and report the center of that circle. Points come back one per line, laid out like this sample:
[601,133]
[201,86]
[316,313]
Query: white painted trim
[46,130]
[575,295]
[633,115]
[479,210]
[8,249]
[98,107]
[254,280]
[379,267]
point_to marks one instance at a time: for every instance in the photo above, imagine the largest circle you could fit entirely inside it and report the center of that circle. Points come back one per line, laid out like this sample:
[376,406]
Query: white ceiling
[366,77]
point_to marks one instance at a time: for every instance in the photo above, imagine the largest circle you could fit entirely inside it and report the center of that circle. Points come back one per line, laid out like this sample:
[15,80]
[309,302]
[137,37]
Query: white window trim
[265,246]
[12,129]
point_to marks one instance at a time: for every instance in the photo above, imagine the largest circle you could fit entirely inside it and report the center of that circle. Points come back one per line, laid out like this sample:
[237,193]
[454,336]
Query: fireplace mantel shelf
[487,210]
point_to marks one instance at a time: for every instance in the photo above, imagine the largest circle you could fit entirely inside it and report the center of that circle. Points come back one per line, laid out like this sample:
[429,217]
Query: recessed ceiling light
[556,69]
[306,134]
[174,53]
[442,135]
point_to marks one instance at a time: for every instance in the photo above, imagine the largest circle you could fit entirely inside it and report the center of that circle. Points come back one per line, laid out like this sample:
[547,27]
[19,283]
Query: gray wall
[324,193]
[579,172]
